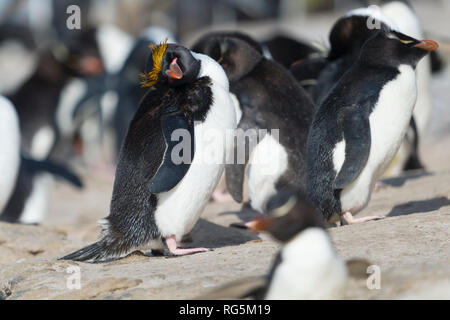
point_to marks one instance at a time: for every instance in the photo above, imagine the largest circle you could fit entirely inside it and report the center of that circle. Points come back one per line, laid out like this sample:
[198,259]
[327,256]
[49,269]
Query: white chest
[179,209]
[310,269]
[388,124]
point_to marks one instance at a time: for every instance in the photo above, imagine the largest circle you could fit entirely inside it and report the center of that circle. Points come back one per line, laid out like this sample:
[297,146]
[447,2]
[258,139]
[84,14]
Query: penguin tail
[109,246]
[54,169]
[93,252]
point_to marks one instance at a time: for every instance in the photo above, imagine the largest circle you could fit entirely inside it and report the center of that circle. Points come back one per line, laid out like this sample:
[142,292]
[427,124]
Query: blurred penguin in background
[268,97]
[23,187]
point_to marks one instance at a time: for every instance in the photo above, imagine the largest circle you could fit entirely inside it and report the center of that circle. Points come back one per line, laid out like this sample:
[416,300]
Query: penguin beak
[91,66]
[174,71]
[428,45]
[259,224]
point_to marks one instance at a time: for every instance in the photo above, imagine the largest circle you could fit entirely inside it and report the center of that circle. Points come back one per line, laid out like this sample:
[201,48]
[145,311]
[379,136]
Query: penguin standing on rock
[269,99]
[306,267]
[157,197]
[359,127]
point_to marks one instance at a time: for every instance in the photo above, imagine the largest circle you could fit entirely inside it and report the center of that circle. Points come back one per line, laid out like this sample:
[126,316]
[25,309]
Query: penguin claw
[182,252]
[349,219]
[171,243]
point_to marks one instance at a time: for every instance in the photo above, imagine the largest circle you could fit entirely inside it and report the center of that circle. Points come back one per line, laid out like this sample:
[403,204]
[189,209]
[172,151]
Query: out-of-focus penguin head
[237,53]
[288,213]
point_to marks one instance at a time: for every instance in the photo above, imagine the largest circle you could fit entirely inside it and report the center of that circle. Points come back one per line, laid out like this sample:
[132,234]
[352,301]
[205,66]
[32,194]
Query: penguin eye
[285,208]
[392,36]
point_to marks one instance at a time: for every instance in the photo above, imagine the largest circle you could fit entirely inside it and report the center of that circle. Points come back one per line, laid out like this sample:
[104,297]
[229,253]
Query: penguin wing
[238,289]
[178,154]
[235,172]
[356,129]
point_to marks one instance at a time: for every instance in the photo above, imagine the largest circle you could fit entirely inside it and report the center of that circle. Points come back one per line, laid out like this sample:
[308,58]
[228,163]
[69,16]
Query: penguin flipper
[53,168]
[178,155]
[357,138]
[308,70]
[238,289]
[235,172]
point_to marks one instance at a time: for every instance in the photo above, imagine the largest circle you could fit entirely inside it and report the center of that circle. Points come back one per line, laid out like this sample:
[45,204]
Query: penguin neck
[313,243]
[210,68]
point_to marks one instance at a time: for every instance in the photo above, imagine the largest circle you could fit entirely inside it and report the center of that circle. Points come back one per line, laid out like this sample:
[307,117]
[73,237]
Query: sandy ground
[411,245]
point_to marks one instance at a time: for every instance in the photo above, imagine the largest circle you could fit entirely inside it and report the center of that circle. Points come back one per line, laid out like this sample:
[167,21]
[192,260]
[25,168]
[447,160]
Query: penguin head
[78,53]
[394,48]
[237,53]
[350,32]
[170,64]
[288,213]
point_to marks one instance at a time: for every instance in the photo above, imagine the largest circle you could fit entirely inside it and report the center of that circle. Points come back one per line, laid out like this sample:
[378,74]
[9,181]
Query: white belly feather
[179,209]
[10,150]
[269,160]
[388,124]
[310,269]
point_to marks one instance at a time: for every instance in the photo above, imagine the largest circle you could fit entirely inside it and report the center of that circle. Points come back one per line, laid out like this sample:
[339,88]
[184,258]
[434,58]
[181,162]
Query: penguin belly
[322,275]
[408,23]
[36,204]
[10,146]
[269,160]
[179,209]
[389,122]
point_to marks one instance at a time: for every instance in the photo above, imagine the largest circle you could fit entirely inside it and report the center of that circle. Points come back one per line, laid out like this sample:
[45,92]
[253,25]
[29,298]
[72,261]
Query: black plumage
[29,169]
[131,223]
[344,114]
[269,98]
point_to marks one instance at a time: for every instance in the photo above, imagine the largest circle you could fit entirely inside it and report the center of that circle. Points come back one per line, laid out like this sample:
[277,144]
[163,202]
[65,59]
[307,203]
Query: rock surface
[411,246]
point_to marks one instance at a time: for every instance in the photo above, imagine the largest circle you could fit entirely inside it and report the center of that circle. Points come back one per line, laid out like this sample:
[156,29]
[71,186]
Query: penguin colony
[332,124]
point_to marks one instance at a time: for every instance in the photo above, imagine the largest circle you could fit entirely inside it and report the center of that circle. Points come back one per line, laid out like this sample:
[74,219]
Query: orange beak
[174,71]
[428,45]
[259,224]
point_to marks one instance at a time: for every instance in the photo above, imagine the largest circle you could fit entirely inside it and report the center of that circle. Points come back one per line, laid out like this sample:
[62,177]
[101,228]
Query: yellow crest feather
[150,78]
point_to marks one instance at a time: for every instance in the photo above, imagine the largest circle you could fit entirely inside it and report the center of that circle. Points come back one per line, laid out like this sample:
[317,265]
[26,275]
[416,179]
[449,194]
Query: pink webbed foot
[172,246]
[348,217]
[220,196]
[380,185]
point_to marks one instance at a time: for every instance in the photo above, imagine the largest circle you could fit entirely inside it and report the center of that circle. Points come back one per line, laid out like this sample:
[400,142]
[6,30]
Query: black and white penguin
[359,127]
[306,266]
[407,22]
[269,98]
[24,190]
[158,197]
[347,37]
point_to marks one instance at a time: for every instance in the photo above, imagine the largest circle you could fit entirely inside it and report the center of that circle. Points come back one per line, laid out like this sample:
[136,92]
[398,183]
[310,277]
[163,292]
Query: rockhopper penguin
[359,127]
[269,99]
[306,267]
[157,198]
